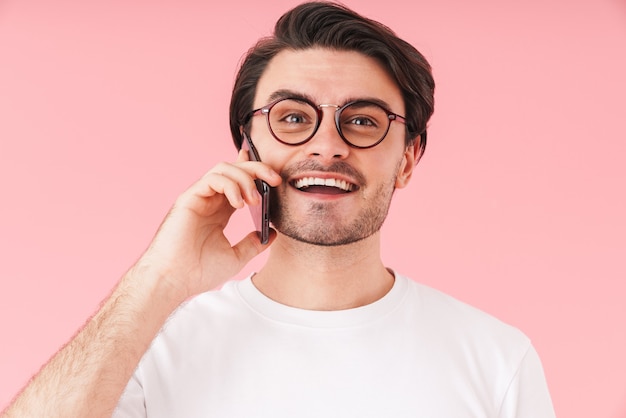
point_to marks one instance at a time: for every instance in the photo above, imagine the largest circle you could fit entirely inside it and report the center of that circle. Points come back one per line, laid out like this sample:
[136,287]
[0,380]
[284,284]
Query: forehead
[328,76]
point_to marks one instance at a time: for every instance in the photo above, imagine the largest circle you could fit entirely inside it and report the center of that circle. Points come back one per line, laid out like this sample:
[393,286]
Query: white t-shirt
[414,353]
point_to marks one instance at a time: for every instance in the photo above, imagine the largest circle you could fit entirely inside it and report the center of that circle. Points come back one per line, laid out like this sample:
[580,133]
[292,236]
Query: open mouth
[323,186]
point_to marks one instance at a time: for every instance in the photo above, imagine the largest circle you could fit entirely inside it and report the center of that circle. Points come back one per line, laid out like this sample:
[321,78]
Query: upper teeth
[315,181]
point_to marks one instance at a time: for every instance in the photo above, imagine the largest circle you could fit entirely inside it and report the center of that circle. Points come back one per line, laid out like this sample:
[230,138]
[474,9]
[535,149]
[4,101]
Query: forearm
[87,376]
[190,254]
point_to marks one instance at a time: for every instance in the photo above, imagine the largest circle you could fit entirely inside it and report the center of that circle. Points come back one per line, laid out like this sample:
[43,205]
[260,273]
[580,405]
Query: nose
[327,144]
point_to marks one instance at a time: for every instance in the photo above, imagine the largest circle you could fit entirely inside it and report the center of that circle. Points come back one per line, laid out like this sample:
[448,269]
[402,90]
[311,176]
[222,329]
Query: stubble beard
[325,225]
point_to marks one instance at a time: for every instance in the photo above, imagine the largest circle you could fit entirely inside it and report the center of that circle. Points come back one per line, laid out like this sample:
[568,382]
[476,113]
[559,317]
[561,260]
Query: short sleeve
[528,395]
[132,403]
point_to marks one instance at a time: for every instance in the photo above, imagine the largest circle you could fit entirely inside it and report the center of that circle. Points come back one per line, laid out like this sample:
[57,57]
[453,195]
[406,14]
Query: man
[337,108]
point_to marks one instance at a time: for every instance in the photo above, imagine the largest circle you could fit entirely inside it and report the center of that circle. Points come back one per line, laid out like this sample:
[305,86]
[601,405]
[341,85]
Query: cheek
[258,128]
[386,163]
[380,176]
[391,173]
[274,154]
[264,142]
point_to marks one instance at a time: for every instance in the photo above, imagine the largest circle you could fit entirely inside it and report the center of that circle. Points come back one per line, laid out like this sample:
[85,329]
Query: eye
[364,116]
[362,121]
[294,118]
[292,114]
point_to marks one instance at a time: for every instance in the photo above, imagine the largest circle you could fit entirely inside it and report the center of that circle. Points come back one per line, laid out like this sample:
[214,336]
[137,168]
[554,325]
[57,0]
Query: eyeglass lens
[361,123]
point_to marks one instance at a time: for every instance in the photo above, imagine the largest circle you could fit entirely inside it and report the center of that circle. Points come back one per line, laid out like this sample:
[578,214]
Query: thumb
[250,246]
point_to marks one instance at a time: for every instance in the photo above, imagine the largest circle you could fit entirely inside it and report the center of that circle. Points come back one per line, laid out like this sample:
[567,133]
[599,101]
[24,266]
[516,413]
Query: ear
[408,163]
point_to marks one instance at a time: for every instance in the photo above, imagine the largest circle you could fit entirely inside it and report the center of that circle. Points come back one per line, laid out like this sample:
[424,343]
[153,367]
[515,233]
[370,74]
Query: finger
[242,156]
[244,173]
[228,179]
[250,246]
[236,181]
[219,183]
[259,169]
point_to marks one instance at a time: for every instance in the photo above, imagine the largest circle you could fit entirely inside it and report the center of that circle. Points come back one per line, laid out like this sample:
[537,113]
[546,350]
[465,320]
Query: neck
[324,278]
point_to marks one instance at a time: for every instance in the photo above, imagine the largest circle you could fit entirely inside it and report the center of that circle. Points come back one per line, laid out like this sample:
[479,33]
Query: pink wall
[108,109]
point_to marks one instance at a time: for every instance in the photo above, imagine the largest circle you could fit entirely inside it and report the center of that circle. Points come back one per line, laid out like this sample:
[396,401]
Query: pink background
[109,109]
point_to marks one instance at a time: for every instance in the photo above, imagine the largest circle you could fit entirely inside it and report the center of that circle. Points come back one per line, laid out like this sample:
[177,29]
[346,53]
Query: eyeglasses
[294,121]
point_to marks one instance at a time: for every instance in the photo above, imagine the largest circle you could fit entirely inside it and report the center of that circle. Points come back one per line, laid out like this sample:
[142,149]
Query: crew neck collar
[272,310]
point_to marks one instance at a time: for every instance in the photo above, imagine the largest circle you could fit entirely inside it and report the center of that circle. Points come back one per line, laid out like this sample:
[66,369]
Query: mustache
[338,167]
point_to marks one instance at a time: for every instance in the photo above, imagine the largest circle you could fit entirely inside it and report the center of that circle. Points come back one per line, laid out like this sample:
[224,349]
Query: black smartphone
[260,213]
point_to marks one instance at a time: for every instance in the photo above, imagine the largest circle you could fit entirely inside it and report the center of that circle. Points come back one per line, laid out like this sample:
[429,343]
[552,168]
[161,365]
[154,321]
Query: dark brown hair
[334,26]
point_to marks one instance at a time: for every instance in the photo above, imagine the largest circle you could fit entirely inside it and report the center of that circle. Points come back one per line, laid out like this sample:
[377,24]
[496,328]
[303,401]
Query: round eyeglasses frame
[319,111]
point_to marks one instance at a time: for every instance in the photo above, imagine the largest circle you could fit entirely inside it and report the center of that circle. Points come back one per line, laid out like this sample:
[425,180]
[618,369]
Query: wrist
[156,284]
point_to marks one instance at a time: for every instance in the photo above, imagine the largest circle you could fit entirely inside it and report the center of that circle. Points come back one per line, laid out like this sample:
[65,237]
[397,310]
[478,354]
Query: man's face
[329,214]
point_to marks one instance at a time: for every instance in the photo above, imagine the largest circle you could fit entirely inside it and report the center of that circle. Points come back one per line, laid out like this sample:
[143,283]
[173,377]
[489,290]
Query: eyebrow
[286,93]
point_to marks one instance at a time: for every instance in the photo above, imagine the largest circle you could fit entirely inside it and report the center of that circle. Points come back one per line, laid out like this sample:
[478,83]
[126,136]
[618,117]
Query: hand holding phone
[260,213]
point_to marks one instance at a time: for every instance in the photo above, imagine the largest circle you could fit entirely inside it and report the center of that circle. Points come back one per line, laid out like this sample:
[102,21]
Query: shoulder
[213,309]
[447,317]
[476,350]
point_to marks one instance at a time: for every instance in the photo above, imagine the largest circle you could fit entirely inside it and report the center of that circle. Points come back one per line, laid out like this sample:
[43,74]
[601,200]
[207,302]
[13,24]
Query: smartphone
[260,213]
